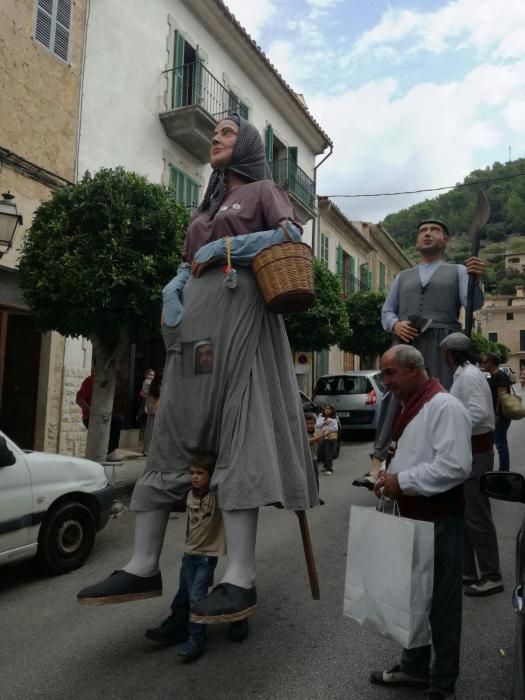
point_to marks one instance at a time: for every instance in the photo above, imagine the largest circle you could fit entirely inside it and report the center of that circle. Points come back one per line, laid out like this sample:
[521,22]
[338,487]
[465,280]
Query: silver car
[356,396]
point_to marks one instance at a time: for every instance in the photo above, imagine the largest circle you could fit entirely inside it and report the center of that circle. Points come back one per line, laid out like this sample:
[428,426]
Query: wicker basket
[285,276]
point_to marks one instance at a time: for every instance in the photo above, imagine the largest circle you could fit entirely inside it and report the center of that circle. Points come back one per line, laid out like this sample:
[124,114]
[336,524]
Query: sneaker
[367,481]
[226,603]
[239,631]
[172,631]
[484,588]
[328,471]
[440,695]
[121,587]
[396,678]
[469,580]
[191,649]
[114,456]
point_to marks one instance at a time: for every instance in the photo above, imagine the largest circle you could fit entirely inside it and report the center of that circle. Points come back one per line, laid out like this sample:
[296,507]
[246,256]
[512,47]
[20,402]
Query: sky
[414,93]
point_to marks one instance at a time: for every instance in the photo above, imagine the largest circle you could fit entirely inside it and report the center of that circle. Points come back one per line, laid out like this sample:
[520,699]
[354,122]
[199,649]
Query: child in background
[314,438]
[204,544]
[327,424]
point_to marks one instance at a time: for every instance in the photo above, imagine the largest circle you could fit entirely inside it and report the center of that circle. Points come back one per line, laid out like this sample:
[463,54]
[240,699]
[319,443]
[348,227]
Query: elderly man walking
[481,543]
[432,459]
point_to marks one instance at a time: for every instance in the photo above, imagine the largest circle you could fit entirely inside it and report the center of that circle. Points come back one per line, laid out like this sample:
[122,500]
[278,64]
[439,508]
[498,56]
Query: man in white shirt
[425,475]
[481,543]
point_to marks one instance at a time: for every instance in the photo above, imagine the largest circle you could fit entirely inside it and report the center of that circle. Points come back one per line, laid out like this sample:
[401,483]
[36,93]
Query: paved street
[51,647]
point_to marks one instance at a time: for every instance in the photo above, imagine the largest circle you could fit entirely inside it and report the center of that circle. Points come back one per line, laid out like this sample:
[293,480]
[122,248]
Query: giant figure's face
[431,239]
[223,142]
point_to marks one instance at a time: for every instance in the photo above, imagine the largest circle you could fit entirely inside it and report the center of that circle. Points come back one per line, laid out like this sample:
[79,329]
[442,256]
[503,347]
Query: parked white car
[51,507]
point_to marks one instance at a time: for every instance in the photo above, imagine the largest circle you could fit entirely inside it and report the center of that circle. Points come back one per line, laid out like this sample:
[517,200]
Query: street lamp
[9,220]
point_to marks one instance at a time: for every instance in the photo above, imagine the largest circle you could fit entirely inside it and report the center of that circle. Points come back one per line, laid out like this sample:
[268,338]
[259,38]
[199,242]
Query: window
[53,25]
[185,190]
[235,105]
[346,271]
[493,337]
[323,362]
[324,248]
[509,316]
[382,276]
[345,384]
[522,341]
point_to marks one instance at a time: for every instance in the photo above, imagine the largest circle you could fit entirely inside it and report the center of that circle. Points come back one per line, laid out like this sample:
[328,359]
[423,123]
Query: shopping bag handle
[381,506]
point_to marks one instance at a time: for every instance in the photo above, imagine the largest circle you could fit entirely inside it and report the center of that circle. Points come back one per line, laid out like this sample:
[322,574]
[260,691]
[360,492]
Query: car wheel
[66,538]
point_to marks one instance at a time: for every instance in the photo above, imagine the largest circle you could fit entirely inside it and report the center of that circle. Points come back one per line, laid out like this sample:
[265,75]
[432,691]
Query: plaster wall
[40,92]
[128,48]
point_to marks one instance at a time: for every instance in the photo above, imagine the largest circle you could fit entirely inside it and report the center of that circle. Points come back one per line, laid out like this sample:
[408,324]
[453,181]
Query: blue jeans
[500,440]
[445,612]
[196,576]
[325,453]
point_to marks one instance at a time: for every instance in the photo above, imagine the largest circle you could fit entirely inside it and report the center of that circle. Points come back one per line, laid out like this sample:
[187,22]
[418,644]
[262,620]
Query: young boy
[314,438]
[204,544]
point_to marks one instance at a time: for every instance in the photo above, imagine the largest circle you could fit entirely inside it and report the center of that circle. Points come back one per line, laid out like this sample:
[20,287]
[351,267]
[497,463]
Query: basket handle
[286,233]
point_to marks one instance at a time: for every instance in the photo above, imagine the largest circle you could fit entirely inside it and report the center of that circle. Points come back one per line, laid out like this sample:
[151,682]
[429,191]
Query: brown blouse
[256,206]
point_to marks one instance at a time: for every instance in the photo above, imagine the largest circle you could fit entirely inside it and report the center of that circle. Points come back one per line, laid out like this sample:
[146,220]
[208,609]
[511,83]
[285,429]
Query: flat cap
[435,221]
[456,341]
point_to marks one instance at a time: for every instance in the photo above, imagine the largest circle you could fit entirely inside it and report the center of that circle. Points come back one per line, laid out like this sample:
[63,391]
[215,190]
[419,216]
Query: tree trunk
[107,357]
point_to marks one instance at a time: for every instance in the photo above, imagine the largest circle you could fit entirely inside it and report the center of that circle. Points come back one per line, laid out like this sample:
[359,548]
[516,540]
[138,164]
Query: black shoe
[226,603]
[483,588]
[440,695]
[239,631]
[121,587]
[192,649]
[172,631]
[321,502]
[367,481]
[395,678]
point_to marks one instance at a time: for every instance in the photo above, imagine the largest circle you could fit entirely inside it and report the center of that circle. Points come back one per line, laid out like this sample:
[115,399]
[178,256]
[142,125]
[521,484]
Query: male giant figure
[425,475]
[421,309]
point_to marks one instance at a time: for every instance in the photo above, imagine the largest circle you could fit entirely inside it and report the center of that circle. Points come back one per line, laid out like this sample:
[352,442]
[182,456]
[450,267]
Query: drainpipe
[81,95]
[315,238]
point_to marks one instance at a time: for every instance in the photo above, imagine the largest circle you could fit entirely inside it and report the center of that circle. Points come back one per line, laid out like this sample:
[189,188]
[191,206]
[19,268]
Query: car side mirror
[506,486]
[7,458]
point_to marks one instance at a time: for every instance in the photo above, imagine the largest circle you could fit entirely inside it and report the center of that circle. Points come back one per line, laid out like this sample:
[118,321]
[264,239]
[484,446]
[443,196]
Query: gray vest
[438,300]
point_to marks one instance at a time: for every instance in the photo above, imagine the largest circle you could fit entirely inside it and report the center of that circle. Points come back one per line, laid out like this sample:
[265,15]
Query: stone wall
[72,439]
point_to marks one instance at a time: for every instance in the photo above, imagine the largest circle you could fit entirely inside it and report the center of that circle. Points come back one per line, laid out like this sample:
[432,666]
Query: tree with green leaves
[94,263]
[481,345]
[366,336]
[325,323]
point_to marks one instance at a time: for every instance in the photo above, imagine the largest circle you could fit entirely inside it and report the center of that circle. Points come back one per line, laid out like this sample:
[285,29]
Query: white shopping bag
[389,575]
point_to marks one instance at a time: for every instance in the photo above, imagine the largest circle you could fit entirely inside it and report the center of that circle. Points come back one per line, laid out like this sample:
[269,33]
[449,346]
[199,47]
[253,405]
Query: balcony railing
[290,177]
[193,84]
[351,285]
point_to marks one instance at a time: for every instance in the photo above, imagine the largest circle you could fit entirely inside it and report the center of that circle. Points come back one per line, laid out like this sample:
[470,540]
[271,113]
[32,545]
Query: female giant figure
[229,385]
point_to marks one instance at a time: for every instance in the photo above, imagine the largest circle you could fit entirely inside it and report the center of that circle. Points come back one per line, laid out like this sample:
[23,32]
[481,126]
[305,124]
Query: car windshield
[343,384]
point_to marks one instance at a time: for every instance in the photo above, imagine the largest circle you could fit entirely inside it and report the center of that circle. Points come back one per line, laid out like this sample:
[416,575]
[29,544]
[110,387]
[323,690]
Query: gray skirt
[229,388]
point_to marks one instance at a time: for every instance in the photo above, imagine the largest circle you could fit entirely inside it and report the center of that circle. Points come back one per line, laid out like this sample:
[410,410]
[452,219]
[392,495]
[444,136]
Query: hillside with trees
[504,184]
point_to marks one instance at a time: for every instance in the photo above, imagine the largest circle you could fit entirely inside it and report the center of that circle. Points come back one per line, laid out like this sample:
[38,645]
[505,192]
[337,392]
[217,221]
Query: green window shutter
[178,71]
[244,110]
[340,260]
[185,190]
[369,278]
[352,273]
[269,143]
[382,276]
[324,248]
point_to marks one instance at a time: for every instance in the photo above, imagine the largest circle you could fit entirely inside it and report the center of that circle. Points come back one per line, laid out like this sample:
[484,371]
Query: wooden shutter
[178,71]
[185,190]
[269,143]
[340,261]
[53,25]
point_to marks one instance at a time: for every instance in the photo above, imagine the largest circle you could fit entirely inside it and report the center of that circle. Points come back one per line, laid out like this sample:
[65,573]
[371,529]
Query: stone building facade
[364,256]
[502,319]
[41,60]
